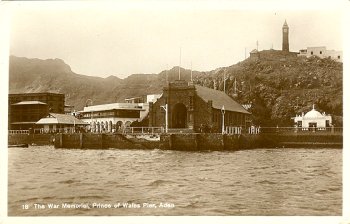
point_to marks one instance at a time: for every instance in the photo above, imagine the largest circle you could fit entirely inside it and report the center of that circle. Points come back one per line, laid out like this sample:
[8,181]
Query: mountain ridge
[277,88]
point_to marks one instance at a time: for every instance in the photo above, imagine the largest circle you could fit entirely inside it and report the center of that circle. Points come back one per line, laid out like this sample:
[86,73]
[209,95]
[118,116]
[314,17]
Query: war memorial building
[195,108]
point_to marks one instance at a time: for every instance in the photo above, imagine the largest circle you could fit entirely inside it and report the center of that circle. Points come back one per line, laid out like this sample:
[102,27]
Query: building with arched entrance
[197,108]
[112,117]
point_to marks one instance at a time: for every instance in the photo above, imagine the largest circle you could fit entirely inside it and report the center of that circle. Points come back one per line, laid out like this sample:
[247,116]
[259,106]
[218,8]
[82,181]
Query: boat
[19,146]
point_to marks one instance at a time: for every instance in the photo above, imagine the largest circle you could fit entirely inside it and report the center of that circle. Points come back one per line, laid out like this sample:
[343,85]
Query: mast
[166,75]
[235,86]
[191,72]
[224,82]
[180,66]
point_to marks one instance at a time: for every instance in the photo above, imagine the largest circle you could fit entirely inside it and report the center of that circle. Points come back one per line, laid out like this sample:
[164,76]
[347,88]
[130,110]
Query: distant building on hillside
[322,52]
[276,55]
[25,109]
[285,54]
[254,54]
[285,38]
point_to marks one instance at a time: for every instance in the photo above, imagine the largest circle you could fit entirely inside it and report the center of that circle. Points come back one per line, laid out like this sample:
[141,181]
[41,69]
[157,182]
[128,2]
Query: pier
[141,139]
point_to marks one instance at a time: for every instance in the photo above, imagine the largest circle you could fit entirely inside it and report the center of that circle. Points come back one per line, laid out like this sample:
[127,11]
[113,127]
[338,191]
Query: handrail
[300,129]
[143,130]
[18,132]
[230,130]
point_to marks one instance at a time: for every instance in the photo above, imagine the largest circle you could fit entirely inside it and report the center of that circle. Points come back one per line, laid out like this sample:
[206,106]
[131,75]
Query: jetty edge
[180,141]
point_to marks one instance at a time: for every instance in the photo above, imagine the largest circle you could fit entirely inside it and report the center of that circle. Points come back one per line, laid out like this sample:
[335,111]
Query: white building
[60,123]
[313,119]
[322,52]
[111,117]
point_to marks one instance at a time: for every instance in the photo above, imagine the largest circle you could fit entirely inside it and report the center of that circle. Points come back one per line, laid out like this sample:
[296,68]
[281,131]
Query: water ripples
[252,182]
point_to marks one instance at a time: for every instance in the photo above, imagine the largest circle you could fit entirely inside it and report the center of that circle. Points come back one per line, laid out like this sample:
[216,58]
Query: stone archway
[98,127]
[127,124]
[179,116]
[93,126]
[119,125]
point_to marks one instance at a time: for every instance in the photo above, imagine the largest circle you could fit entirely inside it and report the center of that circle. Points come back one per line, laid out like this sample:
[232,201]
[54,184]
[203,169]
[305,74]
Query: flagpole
[224,83]
[191,72]
[180,66]
[166,74]
[235,86]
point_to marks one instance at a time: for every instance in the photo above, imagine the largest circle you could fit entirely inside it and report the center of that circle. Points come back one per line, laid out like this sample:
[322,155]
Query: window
[320,52]
[191,102]
[312,52]
[338,56]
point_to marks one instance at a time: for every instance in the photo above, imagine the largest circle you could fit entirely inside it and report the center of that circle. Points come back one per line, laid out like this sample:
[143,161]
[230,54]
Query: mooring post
[81,140]
[61,141]
[170,142]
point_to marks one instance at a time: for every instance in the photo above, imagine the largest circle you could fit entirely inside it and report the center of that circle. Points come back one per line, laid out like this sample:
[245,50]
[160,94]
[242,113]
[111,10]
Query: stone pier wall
[31,139]
[180,141]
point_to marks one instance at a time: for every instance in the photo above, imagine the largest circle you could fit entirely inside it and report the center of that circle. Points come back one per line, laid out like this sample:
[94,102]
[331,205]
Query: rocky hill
[53,75]
[276,87]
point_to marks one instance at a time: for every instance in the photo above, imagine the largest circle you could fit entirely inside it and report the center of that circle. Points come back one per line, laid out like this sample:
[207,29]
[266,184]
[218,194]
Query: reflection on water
[156,182]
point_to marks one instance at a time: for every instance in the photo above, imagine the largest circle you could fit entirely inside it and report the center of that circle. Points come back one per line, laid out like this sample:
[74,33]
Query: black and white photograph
[174,109]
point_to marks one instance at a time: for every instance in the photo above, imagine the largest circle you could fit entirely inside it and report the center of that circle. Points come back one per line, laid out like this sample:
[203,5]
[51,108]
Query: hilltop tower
[285,32]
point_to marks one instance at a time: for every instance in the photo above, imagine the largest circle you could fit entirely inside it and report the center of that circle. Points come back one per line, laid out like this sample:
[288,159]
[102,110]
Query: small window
[320,52]
[312,52]
[338,56]
[191,102]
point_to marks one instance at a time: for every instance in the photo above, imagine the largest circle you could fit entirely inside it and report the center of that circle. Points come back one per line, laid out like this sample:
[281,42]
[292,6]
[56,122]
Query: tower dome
[313,113]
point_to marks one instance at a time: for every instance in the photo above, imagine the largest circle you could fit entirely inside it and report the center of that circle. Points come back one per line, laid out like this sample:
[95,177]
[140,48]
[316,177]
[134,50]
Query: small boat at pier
[19,146]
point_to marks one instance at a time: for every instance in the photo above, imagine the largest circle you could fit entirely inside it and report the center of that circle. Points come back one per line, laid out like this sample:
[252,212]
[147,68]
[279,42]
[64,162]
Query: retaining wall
[31,139]
[180,141]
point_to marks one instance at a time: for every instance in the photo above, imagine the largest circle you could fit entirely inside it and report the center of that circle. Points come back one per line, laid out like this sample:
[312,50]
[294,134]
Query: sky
[114,39]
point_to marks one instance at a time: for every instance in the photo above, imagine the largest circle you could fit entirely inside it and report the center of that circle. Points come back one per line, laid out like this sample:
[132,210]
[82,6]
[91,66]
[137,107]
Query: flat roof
[113,106]
[54,118]
[29,103]
[35,94]
[24,122]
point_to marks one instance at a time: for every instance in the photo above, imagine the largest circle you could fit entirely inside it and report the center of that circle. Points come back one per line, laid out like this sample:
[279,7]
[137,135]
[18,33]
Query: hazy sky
[111,40]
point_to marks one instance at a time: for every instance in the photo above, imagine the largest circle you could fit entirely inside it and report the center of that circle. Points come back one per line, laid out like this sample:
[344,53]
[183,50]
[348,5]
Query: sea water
[43,181]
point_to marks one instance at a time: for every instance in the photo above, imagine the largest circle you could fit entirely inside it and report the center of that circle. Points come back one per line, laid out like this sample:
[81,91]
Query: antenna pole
[191,72]
[180,66]
[166,74]
[235,86]
[224,82]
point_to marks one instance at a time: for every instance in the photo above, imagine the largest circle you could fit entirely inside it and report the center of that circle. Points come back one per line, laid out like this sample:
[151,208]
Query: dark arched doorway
[179,116]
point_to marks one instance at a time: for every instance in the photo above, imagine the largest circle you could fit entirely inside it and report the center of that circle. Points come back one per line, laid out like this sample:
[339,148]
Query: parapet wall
[95,141]
[31,139]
